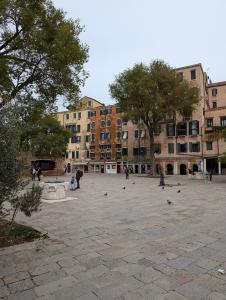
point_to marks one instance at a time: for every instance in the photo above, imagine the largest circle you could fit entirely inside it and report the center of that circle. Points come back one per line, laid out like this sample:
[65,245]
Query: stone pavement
[128,245]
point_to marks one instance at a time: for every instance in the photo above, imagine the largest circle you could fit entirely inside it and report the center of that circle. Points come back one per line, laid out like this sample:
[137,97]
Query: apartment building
[78,122]
[105,144]
[103,141]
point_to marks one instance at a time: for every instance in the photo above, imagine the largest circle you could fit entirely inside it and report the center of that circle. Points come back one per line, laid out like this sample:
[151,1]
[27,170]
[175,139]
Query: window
[106,111]
[135,151]
[170,148]
[73,154]
[170,129]
[79,115]
[157,129]
[139,151]
[87,154]
[89,103]
[118,146]
[209,122]
[93,138]
[193,74]
[72,128]
[89,114]
[87,138]
[157,148]
[124,151]
[74,139]
[108,135]
[182,148]
[102,123]
[125,135]
[118,134]
[74,115]
[78,128]
[118,155]
[223,121]
[77,154]
[108,123]
[66,155]
[181,128]
[194,128]
[102,136]
[214,104]
[67,116]
[119,122]
[136,133]
[93,125]
[118,110]
[124,122]
[88,127]
[92,156]
[194,147]
[214,92]
[209,145]
[93,113]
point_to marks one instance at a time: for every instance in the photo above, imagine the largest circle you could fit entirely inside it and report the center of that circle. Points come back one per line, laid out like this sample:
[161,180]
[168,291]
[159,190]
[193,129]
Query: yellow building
[78,122]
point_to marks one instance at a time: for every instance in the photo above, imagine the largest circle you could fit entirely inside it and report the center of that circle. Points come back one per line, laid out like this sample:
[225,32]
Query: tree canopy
[153,94]
[40,53]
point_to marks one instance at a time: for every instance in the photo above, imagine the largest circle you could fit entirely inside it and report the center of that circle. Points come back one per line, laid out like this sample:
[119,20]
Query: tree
[40,53]
[153,94]
[14,189]
[43,135]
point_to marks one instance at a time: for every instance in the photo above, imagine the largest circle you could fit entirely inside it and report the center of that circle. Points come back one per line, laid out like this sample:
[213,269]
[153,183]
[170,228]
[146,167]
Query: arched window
[102,123]
[108,123]
[119,122]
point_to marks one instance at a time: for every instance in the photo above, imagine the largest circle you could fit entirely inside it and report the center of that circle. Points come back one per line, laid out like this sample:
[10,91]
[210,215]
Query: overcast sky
[120,33]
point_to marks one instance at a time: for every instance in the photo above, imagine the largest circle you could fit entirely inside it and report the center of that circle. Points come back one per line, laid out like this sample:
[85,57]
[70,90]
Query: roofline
[91,99]
[220,83]
[190,66]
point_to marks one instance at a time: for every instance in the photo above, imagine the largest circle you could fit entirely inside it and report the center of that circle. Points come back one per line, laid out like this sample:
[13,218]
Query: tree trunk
[152,152]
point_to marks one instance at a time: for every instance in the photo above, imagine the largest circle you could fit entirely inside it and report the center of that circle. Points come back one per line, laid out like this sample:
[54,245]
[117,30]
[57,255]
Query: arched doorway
[195,168]
[183,169]
[169,169]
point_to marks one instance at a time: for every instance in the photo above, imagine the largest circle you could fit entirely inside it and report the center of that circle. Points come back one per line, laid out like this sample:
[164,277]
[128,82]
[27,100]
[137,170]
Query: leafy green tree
[153,94]
[40,53]
[43,135]
[15,192]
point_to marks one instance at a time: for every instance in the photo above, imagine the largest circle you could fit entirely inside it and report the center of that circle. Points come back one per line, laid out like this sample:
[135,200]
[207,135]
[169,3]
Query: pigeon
[162,187]
[169,202]
[124,188]
[178,191]
[133,182]
[105,194]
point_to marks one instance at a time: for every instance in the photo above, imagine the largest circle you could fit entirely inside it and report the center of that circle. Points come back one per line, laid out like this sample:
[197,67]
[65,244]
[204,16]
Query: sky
[120,33]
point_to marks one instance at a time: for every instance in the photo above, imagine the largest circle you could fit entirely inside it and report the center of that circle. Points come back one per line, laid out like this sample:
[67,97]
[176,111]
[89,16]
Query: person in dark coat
[78,176]
[162,182]
[39,173]
[127,172]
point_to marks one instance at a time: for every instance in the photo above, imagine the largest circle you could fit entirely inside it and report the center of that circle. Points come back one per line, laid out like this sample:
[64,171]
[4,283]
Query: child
[72,187]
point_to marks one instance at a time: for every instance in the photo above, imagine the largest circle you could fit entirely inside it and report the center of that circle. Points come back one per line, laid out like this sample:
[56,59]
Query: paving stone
[212,283]
[4,291]
[111,277]
[20,286]
[207,263]
[1,282]
[111,291]
[44,269]
[26,295]
[54,286]
[148,275]
[216,296]
[193,291]
[71,293]
[95,272]
[167,283]
[128,269]
[16,277]
[180,262]
[148,291]
[173,296]
[49,277]
[89,296]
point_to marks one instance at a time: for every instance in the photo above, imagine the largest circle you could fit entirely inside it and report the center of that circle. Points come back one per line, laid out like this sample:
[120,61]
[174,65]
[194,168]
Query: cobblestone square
[128,244]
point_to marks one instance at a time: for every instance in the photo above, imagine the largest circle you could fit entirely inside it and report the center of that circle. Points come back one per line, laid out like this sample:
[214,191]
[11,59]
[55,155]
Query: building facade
[104,142]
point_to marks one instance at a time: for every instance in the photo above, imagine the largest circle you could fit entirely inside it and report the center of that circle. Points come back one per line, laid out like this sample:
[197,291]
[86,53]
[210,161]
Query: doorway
[183,169]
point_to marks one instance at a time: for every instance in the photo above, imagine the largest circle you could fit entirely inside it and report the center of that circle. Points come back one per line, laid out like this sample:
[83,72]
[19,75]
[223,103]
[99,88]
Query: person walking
[65,169]
[162,182]
[78,176]
[39,173]
[127,172]
[210,176]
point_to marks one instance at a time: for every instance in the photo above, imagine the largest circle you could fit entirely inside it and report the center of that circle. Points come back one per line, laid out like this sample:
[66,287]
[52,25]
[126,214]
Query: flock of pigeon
[168,201]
